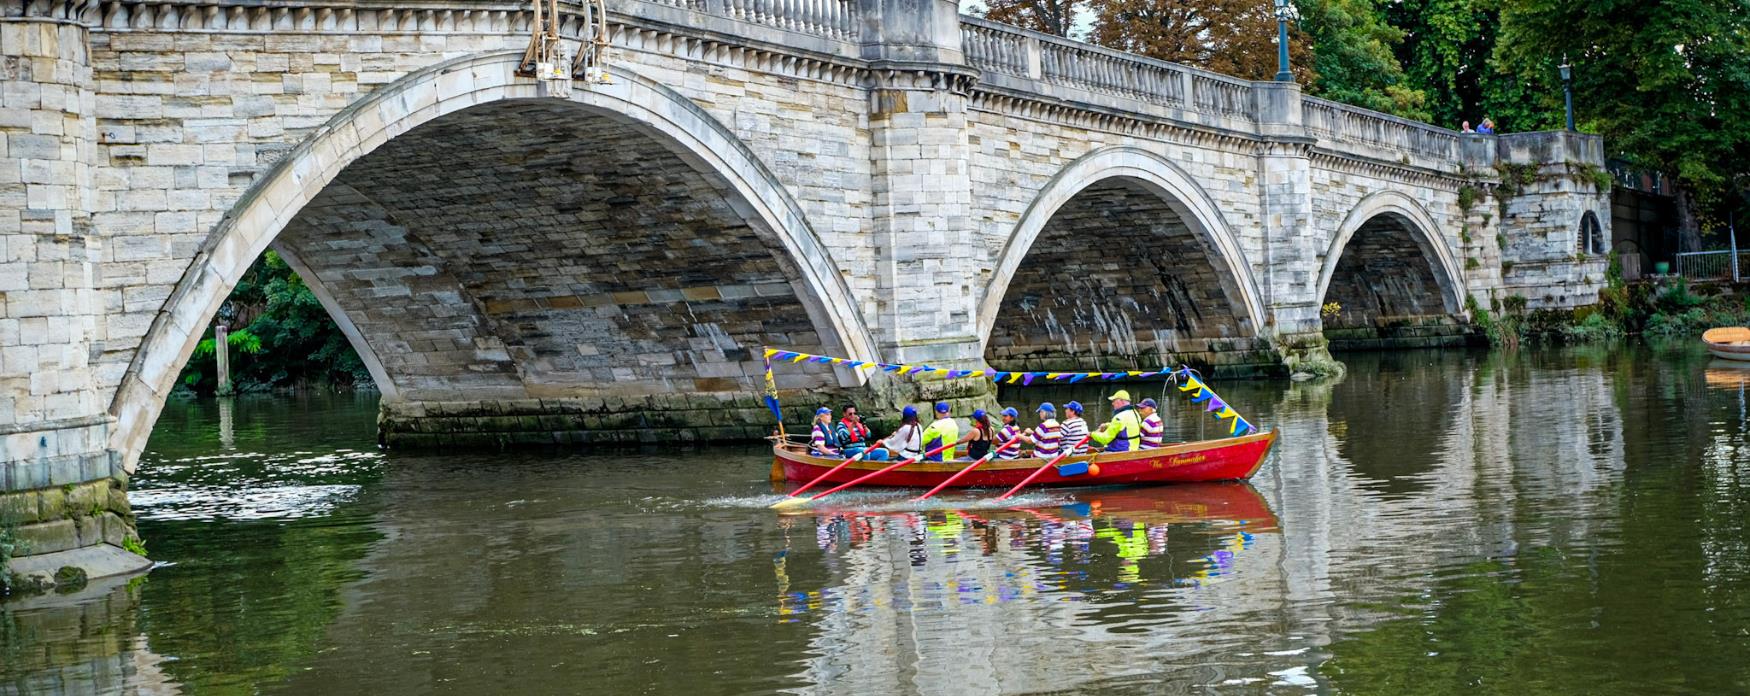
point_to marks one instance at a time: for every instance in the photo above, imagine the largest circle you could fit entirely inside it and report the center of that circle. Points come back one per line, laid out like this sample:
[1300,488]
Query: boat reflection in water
[1131,569]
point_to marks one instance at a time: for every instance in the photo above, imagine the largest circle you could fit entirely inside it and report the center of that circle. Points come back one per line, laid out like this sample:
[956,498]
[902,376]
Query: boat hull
[1231,459]
[1737,353]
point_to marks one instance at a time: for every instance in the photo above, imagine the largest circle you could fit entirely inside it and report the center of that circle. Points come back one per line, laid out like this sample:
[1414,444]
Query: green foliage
[1449,52]
[1599,176]
[10,545]
[1354,60]
[1471,263]
[1468,195]
[134,545]
[1666,82]
[289,341]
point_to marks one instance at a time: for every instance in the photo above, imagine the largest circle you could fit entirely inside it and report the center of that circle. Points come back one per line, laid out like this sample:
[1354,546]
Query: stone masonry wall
[1118,281]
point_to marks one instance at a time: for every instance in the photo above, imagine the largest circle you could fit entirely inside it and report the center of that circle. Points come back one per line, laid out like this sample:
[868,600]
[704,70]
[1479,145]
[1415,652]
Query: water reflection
[1539,522]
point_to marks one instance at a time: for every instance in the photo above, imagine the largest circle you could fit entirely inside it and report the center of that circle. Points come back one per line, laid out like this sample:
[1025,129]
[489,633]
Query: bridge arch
[776,252]
[1389,260]
[1186,284]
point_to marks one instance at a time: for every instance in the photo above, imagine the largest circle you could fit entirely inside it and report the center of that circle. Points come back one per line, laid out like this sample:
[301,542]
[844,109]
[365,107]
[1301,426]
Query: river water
[1435,522]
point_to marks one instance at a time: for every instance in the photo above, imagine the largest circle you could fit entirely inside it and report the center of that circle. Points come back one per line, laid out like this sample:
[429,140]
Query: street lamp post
[1568,91]
[1284,13]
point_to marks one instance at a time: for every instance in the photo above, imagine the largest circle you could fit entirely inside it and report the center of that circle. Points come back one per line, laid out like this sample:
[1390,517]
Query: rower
[978,439]
[1047,437]
[904,442]
[852,434]
[1124,432]
[1152,427]
[1010,430]
[941,432]
[1074,428]
[824,442]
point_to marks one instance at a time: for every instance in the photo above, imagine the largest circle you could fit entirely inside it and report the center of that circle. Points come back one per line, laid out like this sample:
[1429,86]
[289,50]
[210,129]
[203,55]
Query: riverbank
[1656,310]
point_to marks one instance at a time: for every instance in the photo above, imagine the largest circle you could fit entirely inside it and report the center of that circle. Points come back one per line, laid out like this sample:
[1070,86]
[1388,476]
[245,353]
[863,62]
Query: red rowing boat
[1228,459]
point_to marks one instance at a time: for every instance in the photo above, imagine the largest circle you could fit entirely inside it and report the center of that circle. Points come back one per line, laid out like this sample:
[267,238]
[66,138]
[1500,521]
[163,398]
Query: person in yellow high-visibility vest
[1124,432]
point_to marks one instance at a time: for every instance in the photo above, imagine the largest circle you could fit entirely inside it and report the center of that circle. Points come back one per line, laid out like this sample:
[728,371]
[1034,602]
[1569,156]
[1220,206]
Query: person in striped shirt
[823,443]
[1048,435]
[1010,429]
[1074,428]
[1152,427]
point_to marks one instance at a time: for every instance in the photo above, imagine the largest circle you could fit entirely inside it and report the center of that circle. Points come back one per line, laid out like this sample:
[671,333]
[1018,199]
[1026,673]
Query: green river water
[1435,522]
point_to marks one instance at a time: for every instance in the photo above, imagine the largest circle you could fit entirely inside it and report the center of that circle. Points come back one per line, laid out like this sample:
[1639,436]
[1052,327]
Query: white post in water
[222,353]
[1732,234]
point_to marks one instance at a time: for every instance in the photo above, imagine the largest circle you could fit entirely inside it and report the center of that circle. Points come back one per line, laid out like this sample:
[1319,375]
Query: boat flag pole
[788,502]
[1041,470]
[956,477]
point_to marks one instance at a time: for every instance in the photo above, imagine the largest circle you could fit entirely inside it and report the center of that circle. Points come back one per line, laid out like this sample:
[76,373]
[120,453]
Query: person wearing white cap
[1074,428]
[1152,427]
[1124,432]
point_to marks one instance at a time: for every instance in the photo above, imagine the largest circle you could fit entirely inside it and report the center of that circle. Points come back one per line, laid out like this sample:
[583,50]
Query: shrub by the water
[284,338]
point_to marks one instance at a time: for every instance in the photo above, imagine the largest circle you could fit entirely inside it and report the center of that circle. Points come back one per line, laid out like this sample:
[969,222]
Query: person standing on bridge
[1074,428]
[1487,127]
[1124,432]
[941,432]
[1152,427]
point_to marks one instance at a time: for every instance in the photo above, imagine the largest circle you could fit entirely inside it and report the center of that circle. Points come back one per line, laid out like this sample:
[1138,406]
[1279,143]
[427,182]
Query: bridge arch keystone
[1159,176]
[257,218]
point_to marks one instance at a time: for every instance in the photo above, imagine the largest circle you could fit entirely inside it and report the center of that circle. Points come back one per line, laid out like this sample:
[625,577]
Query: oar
[787,502]
[858,456]
[1041,470]
[965,471]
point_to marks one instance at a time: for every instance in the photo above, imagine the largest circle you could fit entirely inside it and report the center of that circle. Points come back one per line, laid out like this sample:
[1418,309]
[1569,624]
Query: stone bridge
[559,262]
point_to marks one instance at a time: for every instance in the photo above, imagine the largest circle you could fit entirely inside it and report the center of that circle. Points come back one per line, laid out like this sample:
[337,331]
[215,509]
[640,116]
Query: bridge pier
[62,489]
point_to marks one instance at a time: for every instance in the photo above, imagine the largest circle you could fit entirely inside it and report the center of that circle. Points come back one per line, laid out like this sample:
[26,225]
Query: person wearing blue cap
[1047,437]
[1074,428]
[823,443]
[978,439]
[941,432]
[1011,428]
[904,442]
[1152,427]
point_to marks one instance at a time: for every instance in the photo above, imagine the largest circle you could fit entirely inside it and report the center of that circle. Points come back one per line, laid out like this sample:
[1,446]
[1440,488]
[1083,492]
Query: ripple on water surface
[1541,522]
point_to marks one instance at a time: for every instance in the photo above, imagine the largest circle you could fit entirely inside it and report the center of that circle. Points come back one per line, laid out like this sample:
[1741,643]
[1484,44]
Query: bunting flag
[772,390]
[1189,384]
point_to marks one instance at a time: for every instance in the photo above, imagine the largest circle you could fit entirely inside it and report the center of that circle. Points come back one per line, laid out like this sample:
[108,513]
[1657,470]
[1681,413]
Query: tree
[1232,37]
[286,338]
[1049,16]
[1666,82]
[1353,59]
[1449,53]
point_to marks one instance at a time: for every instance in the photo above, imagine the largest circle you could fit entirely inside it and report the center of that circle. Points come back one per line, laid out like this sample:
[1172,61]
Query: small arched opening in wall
[479,244]
[1122,262]
[1389,280]
[1590,235]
